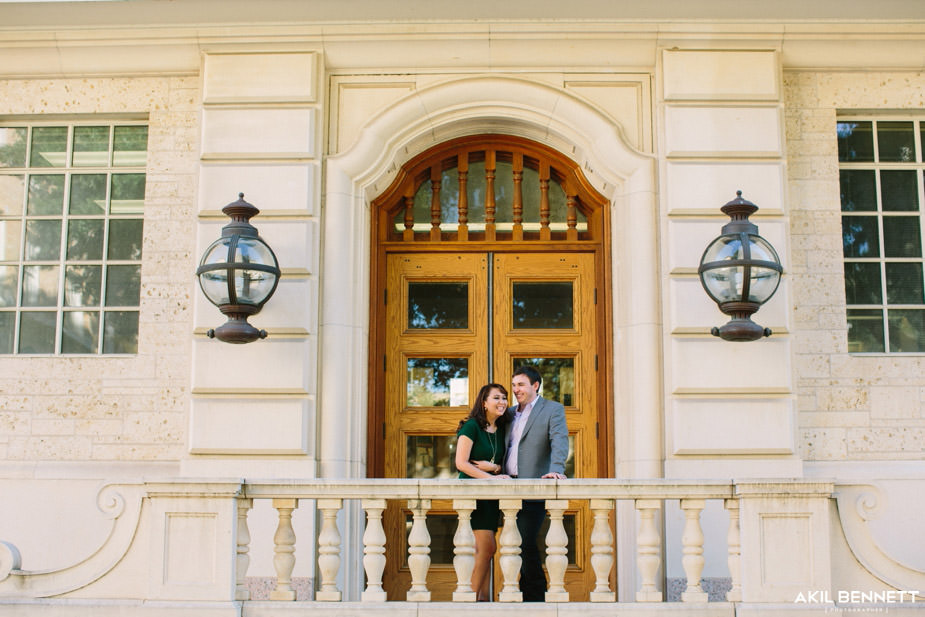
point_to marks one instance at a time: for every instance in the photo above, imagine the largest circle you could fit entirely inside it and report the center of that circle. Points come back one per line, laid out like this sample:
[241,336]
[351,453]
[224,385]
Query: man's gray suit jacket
[544,441]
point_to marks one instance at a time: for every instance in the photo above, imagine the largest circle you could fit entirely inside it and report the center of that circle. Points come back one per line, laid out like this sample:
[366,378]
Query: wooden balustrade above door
[489,188]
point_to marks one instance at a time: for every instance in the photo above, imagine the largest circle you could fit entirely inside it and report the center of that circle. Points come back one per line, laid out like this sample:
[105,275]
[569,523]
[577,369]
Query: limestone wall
[117,408]
[851,407]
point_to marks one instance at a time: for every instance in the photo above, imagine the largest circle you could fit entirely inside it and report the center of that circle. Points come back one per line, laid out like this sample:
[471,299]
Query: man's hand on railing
[554,475]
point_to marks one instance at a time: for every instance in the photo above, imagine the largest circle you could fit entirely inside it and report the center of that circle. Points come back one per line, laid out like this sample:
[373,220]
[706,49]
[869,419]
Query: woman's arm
[463,464]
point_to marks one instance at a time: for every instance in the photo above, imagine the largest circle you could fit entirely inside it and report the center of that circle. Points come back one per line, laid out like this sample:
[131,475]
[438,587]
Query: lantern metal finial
[238,273]
[740,271]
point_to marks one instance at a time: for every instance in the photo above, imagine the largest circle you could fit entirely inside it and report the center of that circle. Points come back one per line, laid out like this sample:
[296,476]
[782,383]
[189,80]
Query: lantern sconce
[740,271]
[238,273]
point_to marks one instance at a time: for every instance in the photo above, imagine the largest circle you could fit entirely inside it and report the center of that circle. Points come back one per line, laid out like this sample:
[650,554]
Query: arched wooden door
[489,253]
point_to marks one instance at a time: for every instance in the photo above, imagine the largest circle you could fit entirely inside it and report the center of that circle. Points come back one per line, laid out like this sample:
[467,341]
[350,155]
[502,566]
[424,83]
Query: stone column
[374,550]
[556,551]
[510,551]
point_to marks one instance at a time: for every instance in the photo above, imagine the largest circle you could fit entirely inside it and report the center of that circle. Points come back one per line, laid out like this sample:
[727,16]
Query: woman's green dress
[485,447]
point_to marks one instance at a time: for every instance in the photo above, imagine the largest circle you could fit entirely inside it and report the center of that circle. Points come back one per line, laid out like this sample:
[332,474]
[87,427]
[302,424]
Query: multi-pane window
[71,208]
[880,170]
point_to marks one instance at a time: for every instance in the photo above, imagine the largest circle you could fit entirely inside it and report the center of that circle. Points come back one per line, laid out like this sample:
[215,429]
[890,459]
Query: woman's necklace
[493,439]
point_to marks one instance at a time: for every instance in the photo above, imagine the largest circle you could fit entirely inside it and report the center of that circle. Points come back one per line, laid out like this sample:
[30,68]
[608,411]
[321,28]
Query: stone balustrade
[601,496]
[184,542]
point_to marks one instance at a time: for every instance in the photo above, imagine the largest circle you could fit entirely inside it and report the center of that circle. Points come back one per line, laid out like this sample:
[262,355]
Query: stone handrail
[601,495]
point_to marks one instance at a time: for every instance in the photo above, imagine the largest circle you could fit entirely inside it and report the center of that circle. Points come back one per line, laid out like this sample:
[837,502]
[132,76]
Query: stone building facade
[313,112]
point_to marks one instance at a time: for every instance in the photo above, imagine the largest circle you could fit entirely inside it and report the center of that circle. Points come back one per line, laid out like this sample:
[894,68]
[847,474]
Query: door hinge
[385,296]
[383,430]
[383,363]
[595,362]
[595,295]
[597,430]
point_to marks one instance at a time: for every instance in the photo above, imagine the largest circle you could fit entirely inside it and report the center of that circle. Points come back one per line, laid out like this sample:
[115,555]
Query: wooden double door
[456,321]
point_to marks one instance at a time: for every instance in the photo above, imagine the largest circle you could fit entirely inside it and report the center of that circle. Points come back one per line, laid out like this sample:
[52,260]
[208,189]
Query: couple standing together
[530,441]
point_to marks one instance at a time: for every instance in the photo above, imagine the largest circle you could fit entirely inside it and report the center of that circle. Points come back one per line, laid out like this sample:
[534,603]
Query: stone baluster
[374,550]
[419,551]
[692,551]
[510,551]
[734,541]
[556,551]
[328,551]
[602,550]
[648,550]
[242,559]
[284,550]
[464,551]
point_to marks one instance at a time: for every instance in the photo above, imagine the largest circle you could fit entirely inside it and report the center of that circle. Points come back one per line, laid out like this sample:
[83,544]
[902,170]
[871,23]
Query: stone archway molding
[465,106]
[432,115]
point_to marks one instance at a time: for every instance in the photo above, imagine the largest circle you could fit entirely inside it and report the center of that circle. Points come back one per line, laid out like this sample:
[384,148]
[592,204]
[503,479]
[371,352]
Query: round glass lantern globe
[247,285]
[725,283]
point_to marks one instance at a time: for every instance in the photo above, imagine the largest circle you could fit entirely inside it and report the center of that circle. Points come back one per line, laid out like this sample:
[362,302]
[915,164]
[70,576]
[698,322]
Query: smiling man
[537,442]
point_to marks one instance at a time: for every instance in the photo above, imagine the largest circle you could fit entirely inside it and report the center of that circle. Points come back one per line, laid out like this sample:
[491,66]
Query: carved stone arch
[456,108]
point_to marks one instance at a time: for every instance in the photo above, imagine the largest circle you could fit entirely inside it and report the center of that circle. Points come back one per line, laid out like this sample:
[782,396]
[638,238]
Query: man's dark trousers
[532,579]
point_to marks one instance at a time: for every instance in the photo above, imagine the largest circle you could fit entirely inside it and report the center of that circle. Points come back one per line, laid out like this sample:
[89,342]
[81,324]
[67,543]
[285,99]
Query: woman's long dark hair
[478,408]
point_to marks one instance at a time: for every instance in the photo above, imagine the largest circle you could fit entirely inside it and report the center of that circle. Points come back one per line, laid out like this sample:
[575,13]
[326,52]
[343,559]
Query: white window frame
[918,165]
[68,170]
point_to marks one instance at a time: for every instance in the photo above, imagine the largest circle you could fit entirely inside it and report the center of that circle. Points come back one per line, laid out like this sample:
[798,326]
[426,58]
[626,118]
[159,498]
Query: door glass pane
[558,377]
[43,240]
[855,141]
[40,286]
[120,332]
[904,283]
[504,195]
[12,147]
[860,236]
[49,146]
[557,206]
[442,529]
[449,199]
[862,283]
[858,190]
[430,456]
[895,142]
[475,190]
[898,190]
[82,285]
[84,239]
[7,321]
[91,146]
[865,331]
[438,306]
[542,306]
[46,194]
[901,236]
[130,146]
[437,382]
[37,332]
[531,193]
[11,189]
[80,332]
[88,194]
[907,330]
